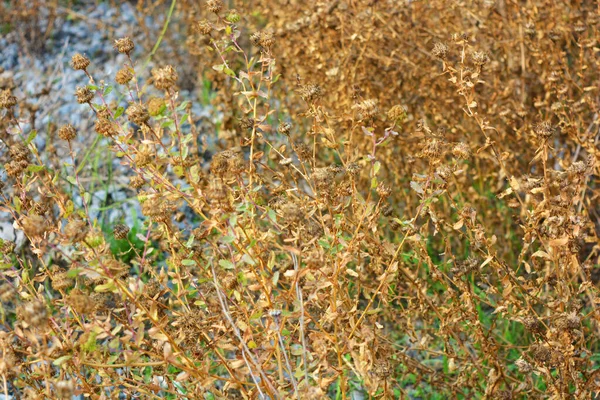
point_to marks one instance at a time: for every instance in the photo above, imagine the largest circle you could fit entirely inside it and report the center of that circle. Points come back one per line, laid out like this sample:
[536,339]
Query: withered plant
[390,200]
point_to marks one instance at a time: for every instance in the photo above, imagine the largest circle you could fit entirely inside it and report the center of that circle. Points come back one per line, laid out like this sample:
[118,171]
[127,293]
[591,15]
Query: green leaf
[376,167]
[119,112]
[108,90]
[272,215]
[107,287]
[35,168]
[31,136]
[228,239]
[73,273]
[61,360]
[188,263]
[229,72]
[226,264]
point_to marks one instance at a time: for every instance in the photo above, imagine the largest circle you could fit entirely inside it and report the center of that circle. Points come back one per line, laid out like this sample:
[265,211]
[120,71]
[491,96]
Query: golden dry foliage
[394,198]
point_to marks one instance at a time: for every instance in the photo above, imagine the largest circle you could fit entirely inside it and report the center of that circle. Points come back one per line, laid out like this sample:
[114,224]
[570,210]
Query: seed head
[84,94]
[310,92]
[214,6]
[34,225]
[19,152]
[34,313]
[263,39]
[353,169]
[65,389]
[164,78]
[136,182]
[440,50]
[461,151]
[124,45]
[544,130]
[61,281]
[67,132]
[76,230]
[124,76]
[7,100]
[203,26]
[284,128]
[367,109]
[530,29]
[533,324]
[120,231]
[155,105]
[303,151]
[233,16]
[79,62]
[137,114]
[79,301]
[541,353]
[7,293]
[479,58]
[105,127]
[397,114]
[247,123]
[523,366]
[383,190]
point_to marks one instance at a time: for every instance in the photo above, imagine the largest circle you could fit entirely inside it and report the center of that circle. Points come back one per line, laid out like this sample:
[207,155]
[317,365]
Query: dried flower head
[34,225]
[33,313]
[164,78]
[523,366]
[214,6]
[104,127]
[79,301]
[7,100]
[7,292]
[137,114]
[480,58]
[366,109]
[67,132]
[136,182]
[124,76]
[544,130]
[440,50]
[65,389]
[461,151]
[284,128]
[155,106]
[124,45]
[80,62]
[533,324]
[84,94]
[397,114]
[76,230]
[310,92]
[233,16]
[120,231]
[203,26]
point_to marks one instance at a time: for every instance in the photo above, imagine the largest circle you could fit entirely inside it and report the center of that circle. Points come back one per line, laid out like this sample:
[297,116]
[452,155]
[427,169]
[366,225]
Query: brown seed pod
[80,62]
[7,100]
[84,94]
[164,78]
[124,76]
[137,114]
[120,231]
[67,132]
[124,45]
